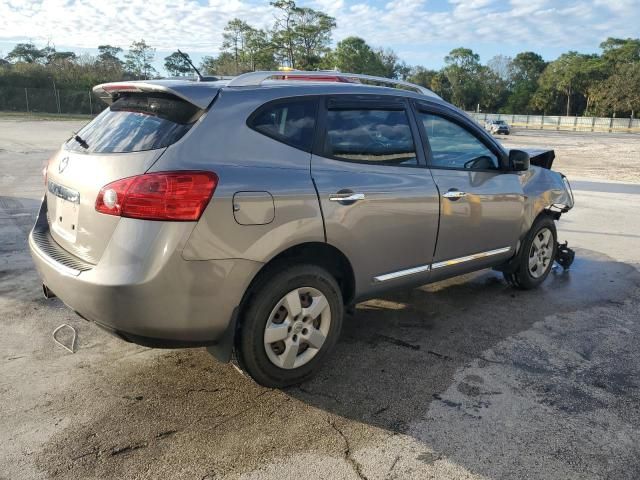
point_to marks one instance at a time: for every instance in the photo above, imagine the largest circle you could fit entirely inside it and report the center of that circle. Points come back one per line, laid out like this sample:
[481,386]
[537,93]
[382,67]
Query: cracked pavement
[464,379]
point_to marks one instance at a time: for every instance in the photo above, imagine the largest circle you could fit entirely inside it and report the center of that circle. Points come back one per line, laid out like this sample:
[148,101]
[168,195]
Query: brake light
[174,196]
[120,88]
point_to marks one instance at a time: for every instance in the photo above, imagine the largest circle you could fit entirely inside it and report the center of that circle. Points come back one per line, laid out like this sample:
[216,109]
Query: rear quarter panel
[247,161]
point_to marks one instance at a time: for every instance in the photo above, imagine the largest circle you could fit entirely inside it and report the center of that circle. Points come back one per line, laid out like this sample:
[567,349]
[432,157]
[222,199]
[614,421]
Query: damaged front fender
[547,190]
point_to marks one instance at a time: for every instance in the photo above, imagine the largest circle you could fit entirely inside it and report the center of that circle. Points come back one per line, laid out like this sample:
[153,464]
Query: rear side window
[372,136]
[137,122]
[291,122]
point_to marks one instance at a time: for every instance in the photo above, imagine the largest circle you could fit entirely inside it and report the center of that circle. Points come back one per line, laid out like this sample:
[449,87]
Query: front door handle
[454,194]
[346,197]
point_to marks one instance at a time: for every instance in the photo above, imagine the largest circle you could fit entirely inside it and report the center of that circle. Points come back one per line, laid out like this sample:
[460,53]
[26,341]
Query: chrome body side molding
[401,273]
[468,258]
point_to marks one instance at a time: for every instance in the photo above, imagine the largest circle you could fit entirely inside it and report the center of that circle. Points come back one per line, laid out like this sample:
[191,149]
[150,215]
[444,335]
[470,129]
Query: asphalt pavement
[462,379]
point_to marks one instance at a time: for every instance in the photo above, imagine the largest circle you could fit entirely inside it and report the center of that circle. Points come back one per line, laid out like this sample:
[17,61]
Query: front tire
[291,323]
[536,257]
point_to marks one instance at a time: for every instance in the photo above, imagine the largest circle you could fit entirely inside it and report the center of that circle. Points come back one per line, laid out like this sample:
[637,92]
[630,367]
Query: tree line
[605,83]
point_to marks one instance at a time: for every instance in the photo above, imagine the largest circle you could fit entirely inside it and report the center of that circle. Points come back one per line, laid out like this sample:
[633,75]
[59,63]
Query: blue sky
[420,31]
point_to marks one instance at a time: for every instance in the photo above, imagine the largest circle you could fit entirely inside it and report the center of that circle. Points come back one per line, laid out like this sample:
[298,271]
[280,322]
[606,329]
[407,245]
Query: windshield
[136,122]
[499,122]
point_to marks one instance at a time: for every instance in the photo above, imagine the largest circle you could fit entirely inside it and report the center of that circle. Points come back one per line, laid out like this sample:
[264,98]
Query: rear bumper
[143,290]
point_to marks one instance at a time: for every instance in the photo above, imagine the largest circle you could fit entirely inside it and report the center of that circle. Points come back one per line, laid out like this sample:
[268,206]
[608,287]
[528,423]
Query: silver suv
[497,127]
[247,215]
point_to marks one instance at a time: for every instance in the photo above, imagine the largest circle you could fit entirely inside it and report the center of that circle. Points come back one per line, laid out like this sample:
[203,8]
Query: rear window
[291,121]
[135,123]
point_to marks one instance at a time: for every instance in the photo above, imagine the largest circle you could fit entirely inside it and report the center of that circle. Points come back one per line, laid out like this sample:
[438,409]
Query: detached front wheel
[537,255]
[291,324]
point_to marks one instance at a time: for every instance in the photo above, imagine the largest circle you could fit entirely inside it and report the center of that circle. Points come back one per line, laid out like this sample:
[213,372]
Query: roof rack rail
[256,78]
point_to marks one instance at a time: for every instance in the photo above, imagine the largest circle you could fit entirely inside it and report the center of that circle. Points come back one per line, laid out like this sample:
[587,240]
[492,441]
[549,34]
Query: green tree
[524,72]
[301,36]
[621,91]
[176,64]
[233,40]
[463,73]
[493,89]
[619,51]
[249,47]
[26,52]
[422,76]
[258,51]
[138,60]
[223,64]
[58,57]
[312,30]
[354,55]
[572,75]
[108,56]
[441,86]
[391,66]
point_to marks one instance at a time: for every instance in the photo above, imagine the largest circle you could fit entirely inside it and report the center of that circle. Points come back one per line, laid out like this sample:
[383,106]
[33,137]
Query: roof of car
[202,93]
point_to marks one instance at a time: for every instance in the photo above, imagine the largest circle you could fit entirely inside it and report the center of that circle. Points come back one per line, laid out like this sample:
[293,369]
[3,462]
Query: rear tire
[290,325]
[536,257]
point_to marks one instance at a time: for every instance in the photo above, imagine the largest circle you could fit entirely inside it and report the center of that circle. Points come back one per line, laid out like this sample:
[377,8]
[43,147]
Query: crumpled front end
[547,190]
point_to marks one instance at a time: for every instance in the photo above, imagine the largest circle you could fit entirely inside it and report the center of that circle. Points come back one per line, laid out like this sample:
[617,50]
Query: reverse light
[173,196]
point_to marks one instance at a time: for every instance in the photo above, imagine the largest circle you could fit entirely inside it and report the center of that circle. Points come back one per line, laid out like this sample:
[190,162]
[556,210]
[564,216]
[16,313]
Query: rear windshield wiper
[80,140]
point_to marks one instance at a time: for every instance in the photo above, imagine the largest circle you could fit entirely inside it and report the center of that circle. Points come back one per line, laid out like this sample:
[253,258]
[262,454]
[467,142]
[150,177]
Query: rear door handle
[454,194]
[346,197]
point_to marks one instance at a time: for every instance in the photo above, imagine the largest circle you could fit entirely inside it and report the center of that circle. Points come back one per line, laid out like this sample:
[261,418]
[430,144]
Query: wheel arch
[321,254]
[511,264]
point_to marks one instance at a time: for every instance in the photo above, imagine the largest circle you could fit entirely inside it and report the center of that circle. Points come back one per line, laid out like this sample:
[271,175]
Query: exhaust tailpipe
[47,292]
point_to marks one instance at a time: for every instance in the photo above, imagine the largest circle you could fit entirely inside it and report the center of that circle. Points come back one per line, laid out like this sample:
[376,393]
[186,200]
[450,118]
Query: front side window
[453,146]
[368,135]
[291,122]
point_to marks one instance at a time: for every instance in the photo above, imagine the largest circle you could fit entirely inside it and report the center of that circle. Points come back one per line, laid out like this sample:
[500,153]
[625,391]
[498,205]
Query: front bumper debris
[564,255]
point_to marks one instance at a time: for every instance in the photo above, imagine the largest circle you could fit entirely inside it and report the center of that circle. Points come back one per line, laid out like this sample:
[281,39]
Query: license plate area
[64,217]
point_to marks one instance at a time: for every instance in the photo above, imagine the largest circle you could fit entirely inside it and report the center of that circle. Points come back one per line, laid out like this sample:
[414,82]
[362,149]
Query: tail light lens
[175,196]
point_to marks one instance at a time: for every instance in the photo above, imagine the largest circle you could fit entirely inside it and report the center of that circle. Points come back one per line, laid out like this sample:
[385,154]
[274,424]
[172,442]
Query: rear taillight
[175,196]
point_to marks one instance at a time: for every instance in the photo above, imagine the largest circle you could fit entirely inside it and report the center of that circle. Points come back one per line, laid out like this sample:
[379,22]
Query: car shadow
[398,352]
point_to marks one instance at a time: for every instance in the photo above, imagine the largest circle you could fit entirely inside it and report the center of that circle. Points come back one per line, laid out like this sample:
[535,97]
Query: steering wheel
[471,163]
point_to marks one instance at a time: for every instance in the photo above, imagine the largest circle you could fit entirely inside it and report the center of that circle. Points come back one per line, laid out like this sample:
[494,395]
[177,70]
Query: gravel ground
[461,379]
[601,156]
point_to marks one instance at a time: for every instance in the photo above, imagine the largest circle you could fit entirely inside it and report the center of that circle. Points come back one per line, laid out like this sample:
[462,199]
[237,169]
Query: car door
[378,199]
[481,201]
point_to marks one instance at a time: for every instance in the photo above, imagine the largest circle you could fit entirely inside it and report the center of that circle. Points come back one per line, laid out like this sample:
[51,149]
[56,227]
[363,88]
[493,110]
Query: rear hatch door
[125,140]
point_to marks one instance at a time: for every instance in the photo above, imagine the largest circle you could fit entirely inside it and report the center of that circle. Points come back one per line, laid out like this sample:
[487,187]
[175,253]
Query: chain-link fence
[556,122]
[49,100]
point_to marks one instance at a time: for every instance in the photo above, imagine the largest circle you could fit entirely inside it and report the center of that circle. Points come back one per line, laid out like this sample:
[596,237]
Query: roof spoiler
[200,94]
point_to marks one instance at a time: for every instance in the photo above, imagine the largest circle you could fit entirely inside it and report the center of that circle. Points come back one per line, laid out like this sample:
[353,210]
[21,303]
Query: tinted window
[137,122]
[454,146]
[382,136]
[291,122]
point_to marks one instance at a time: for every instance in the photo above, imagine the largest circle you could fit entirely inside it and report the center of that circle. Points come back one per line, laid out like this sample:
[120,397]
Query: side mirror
[519,161]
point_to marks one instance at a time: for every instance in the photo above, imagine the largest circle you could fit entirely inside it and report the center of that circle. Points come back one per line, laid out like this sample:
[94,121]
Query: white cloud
[405,25]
